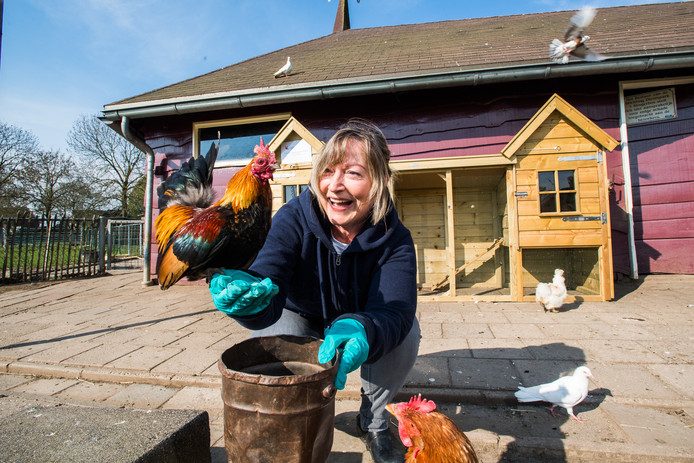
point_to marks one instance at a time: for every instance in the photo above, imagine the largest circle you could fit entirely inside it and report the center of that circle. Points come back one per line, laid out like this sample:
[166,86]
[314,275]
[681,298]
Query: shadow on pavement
[485,380]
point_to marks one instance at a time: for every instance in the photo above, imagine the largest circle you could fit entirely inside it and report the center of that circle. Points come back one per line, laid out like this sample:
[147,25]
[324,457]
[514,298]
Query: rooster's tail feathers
[170,269]
[191,185]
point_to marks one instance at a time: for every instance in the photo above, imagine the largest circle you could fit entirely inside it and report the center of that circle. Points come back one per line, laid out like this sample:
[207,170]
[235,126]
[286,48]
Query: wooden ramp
[472,264]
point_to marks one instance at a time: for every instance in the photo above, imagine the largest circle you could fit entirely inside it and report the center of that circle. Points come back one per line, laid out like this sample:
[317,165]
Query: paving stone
[466,331]
[101,355]
[44,386]
[8,381]
[618,351]
[634,381]
[653,427]
[143,396]
[144,358]
[59,352]
[486,374]
[190,361]
[568,350]
[679,376]
[516,331]
[90,391]
[498,348]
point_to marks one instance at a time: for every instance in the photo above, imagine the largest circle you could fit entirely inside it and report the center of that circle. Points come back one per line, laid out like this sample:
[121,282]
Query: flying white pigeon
[574,40]
[285,70]
[566,392]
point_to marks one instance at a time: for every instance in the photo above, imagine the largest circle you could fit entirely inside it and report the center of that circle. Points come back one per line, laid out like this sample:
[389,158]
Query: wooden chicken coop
[558,204]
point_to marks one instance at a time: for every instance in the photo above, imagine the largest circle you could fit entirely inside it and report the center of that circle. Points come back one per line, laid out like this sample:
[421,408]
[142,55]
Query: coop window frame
[225,124]
[299,188]
[557,192]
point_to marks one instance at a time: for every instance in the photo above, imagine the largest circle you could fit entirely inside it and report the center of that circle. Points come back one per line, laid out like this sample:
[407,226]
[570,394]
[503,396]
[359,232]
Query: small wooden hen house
[558,204]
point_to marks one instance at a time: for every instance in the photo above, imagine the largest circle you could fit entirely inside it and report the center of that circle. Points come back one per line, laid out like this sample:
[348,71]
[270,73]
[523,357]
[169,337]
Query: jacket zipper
[338,260]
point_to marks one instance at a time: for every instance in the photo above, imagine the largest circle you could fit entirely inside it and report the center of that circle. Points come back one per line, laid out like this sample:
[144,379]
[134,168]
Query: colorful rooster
[194,235]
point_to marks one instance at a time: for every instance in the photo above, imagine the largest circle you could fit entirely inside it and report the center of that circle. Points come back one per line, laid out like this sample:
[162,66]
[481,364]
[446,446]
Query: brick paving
[113,342]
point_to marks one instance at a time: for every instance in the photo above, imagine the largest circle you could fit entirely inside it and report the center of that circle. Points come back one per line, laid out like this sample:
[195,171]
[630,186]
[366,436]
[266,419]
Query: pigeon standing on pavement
[285,70]
[574,40]
[566,392]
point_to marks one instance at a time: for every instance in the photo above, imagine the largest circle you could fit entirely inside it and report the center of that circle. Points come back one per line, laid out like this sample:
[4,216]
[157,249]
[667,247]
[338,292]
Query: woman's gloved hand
[237,293]
[349,336]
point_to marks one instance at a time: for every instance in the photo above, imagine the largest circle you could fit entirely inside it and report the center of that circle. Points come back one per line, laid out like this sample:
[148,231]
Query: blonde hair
[377,156]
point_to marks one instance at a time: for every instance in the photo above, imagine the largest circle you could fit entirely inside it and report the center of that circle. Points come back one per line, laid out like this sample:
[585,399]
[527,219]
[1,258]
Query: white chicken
[551,296]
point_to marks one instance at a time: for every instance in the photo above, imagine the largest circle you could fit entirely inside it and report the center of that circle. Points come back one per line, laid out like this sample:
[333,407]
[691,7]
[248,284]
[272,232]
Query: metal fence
[124,244]
[44,249]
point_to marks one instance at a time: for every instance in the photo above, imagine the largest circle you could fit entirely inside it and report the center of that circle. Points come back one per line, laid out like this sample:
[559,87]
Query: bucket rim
[329,369]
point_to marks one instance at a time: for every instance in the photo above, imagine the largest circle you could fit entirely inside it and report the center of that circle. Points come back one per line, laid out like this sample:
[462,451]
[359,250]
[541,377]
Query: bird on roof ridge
[574,40]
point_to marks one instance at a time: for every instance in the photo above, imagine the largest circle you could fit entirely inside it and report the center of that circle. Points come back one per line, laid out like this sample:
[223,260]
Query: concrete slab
[63,434]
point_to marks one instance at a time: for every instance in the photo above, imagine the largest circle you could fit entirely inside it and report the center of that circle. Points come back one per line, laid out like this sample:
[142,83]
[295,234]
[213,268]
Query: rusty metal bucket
[279,402]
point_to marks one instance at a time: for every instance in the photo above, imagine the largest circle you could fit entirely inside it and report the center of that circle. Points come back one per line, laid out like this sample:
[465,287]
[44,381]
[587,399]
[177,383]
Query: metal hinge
[584,157]
[582,218]
[602,218]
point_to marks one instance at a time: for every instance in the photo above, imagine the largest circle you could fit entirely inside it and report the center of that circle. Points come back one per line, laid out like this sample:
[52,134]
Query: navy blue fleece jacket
[373,281]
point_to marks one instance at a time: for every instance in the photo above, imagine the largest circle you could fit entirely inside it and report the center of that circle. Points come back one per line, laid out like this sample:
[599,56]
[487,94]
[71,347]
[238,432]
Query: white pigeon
[285,70]
[566,392]
[574,40]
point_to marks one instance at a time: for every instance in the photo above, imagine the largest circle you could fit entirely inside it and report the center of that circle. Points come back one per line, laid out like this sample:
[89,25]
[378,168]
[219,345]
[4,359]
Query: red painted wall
[662,168]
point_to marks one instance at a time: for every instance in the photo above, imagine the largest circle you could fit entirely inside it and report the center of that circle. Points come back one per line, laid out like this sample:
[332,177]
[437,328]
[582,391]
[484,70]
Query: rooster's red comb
[264,149]
[423,405]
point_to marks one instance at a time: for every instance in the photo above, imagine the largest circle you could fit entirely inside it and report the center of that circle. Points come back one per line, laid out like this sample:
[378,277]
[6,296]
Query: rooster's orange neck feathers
[242,190]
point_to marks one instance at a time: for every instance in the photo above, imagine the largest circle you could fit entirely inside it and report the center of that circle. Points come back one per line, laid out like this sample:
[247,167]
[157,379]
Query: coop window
[557,191]
[238,137]
[292,191]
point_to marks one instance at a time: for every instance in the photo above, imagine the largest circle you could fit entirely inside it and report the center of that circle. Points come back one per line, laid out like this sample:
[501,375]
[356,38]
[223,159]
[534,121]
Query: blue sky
[61,59]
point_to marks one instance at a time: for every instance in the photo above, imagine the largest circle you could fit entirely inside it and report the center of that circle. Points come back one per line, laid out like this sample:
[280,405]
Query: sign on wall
[652,106]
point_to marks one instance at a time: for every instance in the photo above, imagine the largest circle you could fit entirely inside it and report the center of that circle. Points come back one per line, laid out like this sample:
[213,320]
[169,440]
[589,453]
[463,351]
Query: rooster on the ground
[551,296]
[429,435]
[195,235]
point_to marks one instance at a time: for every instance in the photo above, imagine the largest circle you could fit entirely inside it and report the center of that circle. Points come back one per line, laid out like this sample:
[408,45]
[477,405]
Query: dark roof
[362,55]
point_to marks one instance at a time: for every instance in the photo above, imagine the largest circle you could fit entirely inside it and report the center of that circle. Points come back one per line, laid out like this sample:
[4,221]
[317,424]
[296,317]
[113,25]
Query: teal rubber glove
[237,293]
[349,337]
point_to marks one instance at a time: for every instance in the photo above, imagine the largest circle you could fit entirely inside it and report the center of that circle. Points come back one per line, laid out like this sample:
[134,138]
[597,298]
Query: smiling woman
[345,271]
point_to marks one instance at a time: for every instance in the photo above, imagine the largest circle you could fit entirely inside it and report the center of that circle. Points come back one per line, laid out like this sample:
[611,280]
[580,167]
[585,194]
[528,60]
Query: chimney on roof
[342,17]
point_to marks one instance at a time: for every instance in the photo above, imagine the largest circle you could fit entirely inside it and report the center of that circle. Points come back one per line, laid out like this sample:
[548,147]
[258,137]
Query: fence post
[48,246]
[102,244]
[109,243]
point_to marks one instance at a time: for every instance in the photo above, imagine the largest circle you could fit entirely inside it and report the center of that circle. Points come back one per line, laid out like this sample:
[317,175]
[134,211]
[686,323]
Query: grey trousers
[380,380]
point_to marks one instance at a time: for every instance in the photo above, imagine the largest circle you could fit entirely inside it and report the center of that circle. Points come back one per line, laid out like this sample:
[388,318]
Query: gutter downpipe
[628,194]
[140,144]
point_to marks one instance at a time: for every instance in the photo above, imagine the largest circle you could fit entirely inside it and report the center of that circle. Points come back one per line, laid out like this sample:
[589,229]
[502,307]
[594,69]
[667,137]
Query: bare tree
[122,164]
[16,145]
[44,182]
